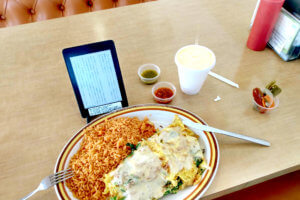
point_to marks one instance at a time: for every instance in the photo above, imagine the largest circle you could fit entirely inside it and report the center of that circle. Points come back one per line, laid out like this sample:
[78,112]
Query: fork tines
[61,176]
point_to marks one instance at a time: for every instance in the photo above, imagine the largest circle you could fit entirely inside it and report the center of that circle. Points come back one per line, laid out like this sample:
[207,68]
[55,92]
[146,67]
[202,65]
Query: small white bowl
[147,67]
[163,85]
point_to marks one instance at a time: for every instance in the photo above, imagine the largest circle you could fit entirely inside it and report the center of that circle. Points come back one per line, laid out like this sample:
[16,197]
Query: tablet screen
[97,80]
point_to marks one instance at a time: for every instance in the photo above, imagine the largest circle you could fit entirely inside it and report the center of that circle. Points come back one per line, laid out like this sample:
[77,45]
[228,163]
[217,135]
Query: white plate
[161,116]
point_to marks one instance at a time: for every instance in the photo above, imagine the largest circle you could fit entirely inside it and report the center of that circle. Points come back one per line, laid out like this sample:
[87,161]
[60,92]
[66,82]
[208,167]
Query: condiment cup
[147,67]
[163,85]
[262,109]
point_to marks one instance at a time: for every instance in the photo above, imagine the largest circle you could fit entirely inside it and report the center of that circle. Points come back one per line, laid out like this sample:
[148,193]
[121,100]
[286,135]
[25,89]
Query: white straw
[254,14]
[225,80]
[197,36]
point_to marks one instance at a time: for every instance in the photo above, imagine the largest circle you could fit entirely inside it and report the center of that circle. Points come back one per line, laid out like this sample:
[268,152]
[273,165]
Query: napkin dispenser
[285,38]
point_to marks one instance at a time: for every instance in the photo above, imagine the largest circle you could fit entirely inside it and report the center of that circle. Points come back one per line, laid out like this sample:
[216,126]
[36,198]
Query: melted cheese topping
[141,175]
[158,165]
[179,151]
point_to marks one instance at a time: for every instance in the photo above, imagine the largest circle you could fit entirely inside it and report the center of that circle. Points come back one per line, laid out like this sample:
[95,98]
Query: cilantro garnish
[133,148]
[198,161]
[116,198]
[175,189]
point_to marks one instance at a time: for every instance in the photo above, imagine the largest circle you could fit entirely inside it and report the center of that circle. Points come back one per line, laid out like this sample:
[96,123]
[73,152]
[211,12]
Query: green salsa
[149,73]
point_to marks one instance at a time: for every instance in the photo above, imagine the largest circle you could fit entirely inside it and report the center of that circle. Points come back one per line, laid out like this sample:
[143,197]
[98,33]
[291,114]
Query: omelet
[169,161]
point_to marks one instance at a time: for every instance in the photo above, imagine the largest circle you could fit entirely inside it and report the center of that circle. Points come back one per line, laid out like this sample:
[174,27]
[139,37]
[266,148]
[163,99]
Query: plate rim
[193,195]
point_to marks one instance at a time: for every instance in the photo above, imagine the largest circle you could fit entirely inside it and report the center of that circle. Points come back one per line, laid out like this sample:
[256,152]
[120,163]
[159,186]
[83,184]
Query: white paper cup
[191,79]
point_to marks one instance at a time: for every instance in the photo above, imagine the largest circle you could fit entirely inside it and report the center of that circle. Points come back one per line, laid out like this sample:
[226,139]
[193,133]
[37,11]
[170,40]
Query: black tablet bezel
[92,48]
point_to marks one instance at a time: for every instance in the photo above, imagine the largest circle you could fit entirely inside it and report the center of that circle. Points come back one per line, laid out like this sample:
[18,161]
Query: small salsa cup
[163,85]
[144,67]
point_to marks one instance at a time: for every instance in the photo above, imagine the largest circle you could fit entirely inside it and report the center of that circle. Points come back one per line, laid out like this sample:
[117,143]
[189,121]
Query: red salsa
[163,93]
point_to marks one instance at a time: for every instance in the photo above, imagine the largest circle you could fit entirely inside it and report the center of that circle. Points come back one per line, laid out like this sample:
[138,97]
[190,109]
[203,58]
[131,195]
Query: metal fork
[51,180]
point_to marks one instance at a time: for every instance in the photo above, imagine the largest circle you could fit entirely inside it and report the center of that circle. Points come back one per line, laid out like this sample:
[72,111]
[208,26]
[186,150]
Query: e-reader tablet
[96,78]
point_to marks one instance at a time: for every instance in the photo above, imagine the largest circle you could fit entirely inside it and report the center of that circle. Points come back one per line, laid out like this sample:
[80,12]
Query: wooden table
[39,112]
